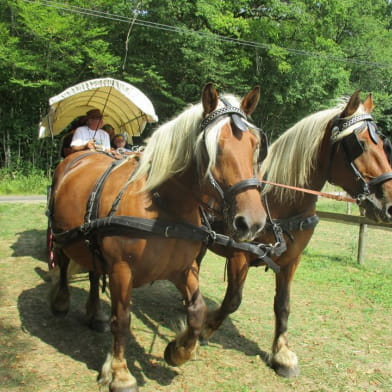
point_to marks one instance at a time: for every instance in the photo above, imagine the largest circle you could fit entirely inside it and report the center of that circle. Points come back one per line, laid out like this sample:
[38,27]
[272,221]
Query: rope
[312,192]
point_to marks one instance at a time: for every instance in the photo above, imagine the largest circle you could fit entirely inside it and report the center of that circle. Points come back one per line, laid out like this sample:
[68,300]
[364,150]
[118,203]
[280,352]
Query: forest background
[304,54]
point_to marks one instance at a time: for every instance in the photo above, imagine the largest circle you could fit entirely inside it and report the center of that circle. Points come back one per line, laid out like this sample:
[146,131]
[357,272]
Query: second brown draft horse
[339,145]
[138,220]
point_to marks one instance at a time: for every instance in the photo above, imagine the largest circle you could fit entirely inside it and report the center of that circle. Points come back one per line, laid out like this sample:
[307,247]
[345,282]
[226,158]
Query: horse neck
[304,202]
[180,196]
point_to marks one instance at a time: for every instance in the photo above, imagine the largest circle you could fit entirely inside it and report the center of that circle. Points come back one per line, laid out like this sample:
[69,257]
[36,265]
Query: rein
[311,191]
[143,228]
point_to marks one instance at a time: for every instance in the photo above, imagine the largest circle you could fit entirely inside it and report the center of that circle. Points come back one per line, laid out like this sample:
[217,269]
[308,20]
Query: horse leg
[283,360]
[59,296]
[96,318]
[115,372]
[237,270]
[184,347]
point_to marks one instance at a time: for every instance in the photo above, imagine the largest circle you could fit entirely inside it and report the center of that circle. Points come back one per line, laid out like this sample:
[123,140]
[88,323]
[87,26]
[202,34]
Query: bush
[17,182]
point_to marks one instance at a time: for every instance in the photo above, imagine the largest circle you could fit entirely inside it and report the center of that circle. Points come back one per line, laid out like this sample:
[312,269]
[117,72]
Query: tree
[303,53]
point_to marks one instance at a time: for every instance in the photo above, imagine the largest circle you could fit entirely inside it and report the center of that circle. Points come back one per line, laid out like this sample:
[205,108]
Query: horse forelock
[292,157]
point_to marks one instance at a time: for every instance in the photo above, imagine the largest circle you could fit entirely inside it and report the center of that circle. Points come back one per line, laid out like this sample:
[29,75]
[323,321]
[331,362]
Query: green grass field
[340,323]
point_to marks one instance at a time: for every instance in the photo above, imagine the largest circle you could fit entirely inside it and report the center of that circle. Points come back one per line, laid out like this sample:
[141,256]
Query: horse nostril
[389,211]
[240,224]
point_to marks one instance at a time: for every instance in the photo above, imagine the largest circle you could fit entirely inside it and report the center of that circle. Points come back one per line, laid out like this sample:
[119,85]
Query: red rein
[317,193]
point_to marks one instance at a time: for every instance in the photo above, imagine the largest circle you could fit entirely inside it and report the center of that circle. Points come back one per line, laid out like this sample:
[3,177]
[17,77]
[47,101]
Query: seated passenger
[120,144]
[110,130]
[65,143]
[91,136]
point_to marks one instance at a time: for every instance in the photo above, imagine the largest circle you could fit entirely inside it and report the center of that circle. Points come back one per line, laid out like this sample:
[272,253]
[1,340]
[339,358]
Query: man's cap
[108,127]
[94,113]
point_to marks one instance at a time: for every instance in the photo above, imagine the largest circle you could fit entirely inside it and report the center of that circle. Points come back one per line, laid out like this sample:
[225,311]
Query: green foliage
[303,54]
[26,181]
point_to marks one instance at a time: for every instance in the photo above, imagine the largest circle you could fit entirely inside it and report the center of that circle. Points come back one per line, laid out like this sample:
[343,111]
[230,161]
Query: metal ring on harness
[167,231]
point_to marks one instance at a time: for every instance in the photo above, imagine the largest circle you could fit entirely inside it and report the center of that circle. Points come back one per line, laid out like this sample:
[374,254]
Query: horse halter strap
[237,116]
[353,149]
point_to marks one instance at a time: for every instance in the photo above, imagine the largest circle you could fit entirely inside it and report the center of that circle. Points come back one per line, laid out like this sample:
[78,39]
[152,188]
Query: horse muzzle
[246,228]
[378,210]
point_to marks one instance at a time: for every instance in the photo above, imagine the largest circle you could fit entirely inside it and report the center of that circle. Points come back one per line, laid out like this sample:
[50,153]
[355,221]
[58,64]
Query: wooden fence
[354,220]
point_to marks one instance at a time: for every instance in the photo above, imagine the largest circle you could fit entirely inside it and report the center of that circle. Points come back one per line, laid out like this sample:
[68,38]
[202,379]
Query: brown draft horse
[146,225]
[339,145]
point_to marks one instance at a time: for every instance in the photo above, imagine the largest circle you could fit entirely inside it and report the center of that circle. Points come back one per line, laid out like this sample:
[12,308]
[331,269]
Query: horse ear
[352,105]
[250,101]
[209,98]
[368,104]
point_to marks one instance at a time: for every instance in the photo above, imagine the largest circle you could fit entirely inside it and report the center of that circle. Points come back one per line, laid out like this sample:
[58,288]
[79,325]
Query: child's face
[120,143]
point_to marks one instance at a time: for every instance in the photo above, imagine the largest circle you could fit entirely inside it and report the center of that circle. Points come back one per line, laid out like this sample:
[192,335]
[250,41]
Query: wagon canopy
[124,106]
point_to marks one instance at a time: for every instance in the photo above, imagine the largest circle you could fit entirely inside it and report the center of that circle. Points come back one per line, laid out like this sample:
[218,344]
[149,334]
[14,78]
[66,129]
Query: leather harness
[114,225]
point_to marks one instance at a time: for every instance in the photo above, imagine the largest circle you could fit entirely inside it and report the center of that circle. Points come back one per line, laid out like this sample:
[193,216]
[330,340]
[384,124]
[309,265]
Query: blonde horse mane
[175,144]
[292,157]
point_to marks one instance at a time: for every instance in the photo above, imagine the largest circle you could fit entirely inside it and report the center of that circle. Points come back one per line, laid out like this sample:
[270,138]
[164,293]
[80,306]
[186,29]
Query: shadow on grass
[320,258]
[156,305]
[162,303]
[31,243]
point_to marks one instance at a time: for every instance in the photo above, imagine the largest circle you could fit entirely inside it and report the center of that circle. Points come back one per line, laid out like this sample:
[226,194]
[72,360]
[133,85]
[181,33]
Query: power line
[182,30]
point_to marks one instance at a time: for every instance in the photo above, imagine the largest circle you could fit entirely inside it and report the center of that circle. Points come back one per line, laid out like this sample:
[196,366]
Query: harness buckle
[212,236]
[167,228]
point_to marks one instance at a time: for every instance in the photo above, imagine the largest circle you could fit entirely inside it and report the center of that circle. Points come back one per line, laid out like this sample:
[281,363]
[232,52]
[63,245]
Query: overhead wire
[182,30]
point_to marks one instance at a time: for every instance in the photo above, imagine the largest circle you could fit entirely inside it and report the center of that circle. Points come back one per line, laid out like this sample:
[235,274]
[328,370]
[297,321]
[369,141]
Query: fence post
[361,242]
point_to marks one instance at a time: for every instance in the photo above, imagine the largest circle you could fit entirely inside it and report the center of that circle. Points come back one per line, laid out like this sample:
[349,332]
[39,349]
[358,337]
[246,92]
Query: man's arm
[90,145]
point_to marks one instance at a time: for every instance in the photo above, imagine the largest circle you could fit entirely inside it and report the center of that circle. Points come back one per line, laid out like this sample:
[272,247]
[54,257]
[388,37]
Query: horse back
[75,179]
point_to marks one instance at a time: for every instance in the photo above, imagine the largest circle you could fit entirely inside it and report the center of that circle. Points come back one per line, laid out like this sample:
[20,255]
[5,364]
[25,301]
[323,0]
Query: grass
[17,183]
[339,324]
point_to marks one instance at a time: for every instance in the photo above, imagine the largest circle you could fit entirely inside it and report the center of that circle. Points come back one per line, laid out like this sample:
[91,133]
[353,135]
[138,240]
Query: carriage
[115,218]
[126,109]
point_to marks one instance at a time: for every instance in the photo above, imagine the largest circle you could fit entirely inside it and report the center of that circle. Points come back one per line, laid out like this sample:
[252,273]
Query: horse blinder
[352,146]
[263,151]
[387,146]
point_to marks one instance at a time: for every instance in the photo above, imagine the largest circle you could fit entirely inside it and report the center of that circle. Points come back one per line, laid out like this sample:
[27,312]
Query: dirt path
[23,199]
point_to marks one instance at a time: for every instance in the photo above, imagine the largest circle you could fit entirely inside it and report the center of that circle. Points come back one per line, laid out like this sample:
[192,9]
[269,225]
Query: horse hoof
[100,326]
[285,371]
[168,355]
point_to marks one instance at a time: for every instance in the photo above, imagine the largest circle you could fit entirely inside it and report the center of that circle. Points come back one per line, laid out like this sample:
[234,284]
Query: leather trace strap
[143,228]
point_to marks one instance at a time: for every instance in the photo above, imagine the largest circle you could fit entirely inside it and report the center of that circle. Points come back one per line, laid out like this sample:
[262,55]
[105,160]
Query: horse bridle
[353,148]
[237,117]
